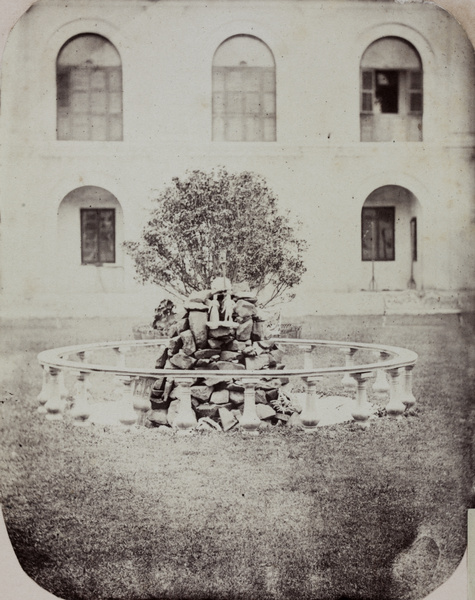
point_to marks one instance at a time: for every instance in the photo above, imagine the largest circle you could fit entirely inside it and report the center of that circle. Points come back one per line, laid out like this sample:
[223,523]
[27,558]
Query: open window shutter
[367,90]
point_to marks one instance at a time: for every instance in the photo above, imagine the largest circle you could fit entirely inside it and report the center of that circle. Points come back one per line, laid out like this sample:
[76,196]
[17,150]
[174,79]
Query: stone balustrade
[134,401]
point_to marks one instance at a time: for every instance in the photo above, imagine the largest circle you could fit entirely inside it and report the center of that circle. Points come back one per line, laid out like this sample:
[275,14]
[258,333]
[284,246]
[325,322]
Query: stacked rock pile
[221,329]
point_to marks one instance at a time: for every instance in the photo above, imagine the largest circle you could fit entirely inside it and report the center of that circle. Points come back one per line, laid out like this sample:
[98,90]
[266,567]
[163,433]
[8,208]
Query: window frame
[388,210]
[82,219]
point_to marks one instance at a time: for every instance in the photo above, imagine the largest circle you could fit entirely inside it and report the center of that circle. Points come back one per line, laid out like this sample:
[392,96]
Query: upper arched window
[89,90]
[391,92]
[244,91]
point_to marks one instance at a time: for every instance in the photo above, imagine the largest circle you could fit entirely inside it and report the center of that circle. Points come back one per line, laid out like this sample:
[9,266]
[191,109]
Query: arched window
[391,92]
[244,91]
[89,90]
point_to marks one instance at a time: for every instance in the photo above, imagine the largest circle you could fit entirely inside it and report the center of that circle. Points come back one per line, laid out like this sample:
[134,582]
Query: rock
[282,417]
[235,386]
[220,284]
[199,306]
[257,348]
[220,332]
[228,355]
[182,360]
[224,365]
[205,363]
[236,346]
[277,355]
[162,353]
[264,411]
[201,392]
[206,353]
[164,429]
[244,330]
[250,351]
[268,385]
[237,413]
[272,394]
[258,330]
[236,397]
[206,410]
[255,363]
[189,346]
[244,309]
[261,397]
[266,344]
[228,420]
[219,397]
[207,424]
[216,344]
[172,330]
[215,380]
[182,325]
[197,321]
[174,344]
[158,416]
[294,420]
[172,412]
[199,296]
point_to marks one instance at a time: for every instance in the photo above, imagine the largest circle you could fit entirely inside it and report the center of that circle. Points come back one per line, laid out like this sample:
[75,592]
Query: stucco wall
[318,167]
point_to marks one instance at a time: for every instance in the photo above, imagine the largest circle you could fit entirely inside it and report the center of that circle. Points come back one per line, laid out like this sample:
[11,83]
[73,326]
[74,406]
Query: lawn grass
[101,513]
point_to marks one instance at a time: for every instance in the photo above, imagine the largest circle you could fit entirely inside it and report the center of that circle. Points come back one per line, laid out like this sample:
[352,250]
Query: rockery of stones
[221,330]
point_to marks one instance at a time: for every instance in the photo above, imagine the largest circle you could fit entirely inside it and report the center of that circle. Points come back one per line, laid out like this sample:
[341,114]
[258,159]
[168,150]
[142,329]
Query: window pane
[64,132]
[98,79]
[367,102]
[234,129]
[218,80]
[269,80]
[79,102]
[269,103]
[79,79]
[234,80]
[254,129]
[98,102]
[115,128]
[80,127]
[115,103]
[416,80]
[106,235]
[234,102]
[89,236]
[218,129]
[416,102]
[62,89]
[252,79]
[269,130]
[252,105]
[98,127]
[367,80]
[218,103]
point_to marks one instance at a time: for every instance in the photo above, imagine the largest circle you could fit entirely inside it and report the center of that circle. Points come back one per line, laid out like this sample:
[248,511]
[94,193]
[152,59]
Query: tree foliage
[203,213]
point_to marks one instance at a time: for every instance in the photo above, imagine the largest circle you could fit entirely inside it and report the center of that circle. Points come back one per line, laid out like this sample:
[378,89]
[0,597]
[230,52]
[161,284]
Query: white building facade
[360,115]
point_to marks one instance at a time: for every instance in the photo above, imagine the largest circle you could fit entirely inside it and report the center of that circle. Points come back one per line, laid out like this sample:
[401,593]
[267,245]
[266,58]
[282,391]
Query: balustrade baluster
[407,396]
[348,381]
[310,415]
[381,384]
[142,390]
[186,418]
[80,411]
[395,406]
[127,414]
[361,413]
[56,403]
[307,357]
[249,422]
[43,396]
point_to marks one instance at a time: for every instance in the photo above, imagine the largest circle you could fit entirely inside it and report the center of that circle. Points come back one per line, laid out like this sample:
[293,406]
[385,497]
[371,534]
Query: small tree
[203,213]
